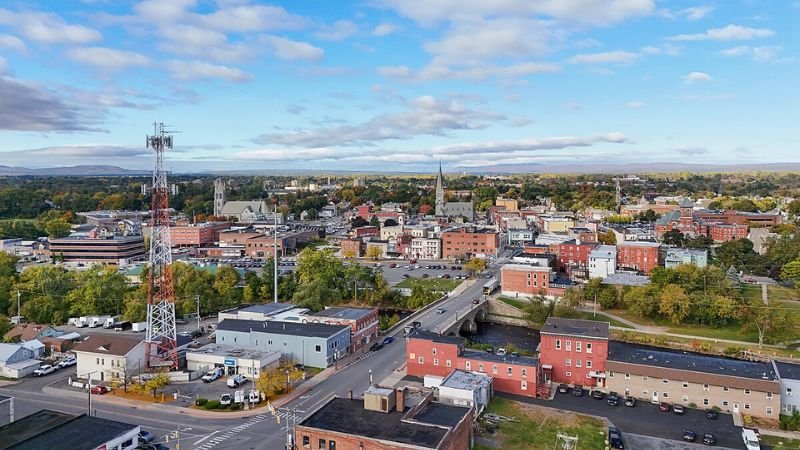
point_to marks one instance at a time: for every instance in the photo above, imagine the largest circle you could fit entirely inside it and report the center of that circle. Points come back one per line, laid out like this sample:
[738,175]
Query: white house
[463,388]
[602,261]
[426,248]
[107,357]
[16,361]
[789,376]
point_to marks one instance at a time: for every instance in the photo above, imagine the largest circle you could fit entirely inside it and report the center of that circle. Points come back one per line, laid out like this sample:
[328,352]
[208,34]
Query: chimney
[401,399]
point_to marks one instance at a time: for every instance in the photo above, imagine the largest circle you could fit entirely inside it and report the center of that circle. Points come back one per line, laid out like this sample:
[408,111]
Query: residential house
[602,261]
[17,361]
[678,256]
[105,357]
[29,331]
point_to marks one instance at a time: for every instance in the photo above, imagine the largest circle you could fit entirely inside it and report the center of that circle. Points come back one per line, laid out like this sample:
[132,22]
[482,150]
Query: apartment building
[426,248]
[470,242]
[574,351]
[642,256]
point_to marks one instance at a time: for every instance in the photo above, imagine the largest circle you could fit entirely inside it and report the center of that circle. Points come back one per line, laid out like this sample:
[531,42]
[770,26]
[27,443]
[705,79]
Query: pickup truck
[44,370]
[66,362]
[750,439]
[212,375]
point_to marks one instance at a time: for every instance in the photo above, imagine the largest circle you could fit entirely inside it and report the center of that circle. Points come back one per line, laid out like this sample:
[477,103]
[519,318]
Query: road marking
[203,439]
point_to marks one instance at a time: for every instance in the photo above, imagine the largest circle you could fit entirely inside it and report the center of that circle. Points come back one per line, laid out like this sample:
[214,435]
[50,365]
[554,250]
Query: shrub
[201,401]
[693,405]
[748,420]
[716,408]
[212,404]
[733,350]
[235,407]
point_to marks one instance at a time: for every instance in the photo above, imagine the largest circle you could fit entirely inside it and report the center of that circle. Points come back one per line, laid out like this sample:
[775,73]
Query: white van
[750,439]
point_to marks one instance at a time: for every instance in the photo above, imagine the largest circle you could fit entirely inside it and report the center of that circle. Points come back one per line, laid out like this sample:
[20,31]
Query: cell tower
[619,193]
[161,346]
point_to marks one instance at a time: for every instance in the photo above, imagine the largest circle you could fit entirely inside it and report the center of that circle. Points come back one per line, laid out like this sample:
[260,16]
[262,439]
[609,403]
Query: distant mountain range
[606,168]
[81,171]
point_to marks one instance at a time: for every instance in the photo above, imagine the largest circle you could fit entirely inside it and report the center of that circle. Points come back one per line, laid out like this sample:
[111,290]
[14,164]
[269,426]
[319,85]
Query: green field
[433,284]
[586,315]
[519,304]
[780,443]
[775,292]
[731,332]
[535,428]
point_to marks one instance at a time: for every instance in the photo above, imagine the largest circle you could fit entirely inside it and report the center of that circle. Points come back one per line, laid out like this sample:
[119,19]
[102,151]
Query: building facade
[526,280]
[110,250]
[642,256]
[103,357]
[426,248]
[678,256]
[574,351]
[363,323]
[469,242]
[602,261]
[573,258]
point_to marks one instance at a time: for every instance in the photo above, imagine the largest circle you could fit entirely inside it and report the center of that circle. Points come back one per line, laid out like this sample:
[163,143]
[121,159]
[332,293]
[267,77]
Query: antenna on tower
[619,193]
[161,336]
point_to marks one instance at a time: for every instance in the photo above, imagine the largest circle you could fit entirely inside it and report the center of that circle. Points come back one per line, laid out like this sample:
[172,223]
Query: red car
[100,389]
[663,407]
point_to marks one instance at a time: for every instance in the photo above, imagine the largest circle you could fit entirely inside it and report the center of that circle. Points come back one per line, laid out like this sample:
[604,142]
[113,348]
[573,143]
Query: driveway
[645,419]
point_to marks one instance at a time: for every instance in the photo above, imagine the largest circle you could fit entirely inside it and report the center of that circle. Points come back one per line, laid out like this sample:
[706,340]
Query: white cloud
[727,33]
[636,104]
[759,54]
[696,12]
[572,105]
[384,29]
[424,115]
[615,57]
[338,31]
[667,49]
[394,71]
[243,18]
[697,77]
[691,151]
[293,50]
[526,145]
[48,28]
[196,70]
[474,72]
[107,58]
[12,42]
[203,42]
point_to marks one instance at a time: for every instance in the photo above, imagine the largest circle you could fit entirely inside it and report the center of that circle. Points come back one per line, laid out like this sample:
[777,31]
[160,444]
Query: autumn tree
[374,252]
[674,303]
[773,323]
[475,266]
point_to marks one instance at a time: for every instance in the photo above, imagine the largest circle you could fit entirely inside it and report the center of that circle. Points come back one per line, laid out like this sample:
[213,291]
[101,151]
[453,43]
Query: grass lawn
[519,304]
[600,316]
[537,427]
[732,332]
[433,284]
[780,443]
[775,292]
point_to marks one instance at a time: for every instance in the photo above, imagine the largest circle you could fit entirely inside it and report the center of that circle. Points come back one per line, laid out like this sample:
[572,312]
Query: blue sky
[399,84]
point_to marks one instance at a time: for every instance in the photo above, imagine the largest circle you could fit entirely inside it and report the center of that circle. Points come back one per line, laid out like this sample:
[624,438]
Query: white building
[519,236]
[17,361]
[462,388]
[104,357]
[235,360]
[602,261]
[426,248]
[789,376]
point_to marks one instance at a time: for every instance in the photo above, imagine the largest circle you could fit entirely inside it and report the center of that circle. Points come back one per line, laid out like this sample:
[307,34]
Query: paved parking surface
[645,419]
[395,275]
[639,442]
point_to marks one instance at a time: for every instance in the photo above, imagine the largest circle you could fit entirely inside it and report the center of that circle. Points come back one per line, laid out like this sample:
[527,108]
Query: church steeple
[440,192]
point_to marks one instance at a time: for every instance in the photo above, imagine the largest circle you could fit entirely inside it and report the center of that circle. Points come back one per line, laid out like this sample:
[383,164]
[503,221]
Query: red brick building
[352,246]
[192,235]
[368,231]
[528,280]
[431,354]
[720,226]
[469,242]
[385,420]
[573,258]
[574,351]
[363,323]
[638,255]
[725,232]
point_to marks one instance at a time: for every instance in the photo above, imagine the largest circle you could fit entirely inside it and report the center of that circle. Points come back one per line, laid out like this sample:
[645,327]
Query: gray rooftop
[575,327]
[788,370]
[344,313]
[48,429]
[435,337]
[626,279]
[681,360]
[460,379]
[493,357]
[267,308]
[320,330]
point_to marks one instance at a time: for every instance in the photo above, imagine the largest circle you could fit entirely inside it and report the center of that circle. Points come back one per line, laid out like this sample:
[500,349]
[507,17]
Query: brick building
[527,280]
[643,256]
[573,258]
[431,354]
[352,247]
[363,323]
[192,235]
[720,226]
[574,351]
[470,242]
[386,419]
[368,231]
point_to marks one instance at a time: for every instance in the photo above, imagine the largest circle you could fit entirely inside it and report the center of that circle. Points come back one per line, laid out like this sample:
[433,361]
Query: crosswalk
[214,440]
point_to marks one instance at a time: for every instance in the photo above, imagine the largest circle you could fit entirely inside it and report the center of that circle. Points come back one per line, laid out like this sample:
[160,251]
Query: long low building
[104,250]
[664,375]
[48,429]
[311,344]
[234,360]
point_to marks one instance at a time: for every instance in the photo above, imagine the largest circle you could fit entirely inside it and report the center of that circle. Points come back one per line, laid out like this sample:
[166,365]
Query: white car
[254,396]
[212,375]
[225,399]
[70,361]
[44,370]
[236,381]
[750,438]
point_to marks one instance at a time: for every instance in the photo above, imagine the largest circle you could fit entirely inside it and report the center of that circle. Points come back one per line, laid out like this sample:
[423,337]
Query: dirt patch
[566,418]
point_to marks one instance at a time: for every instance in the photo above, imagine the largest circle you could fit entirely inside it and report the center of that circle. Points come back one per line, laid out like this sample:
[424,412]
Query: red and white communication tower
[161,347]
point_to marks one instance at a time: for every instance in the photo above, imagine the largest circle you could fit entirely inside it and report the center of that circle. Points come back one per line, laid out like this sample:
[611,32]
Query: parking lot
[394,275]
[645,418]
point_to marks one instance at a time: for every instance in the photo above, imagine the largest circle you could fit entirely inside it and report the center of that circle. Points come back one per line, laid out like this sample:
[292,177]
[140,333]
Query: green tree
[251,292]
[539,310]
[315,295]
[57,228]
[791,271]
[674,237]
[374,252]
[674,303]
[226,286]
[607,238]
[319,265]
[374,222]
[420,297]
[641,301]
[773,323]
[99,290]
[475,266]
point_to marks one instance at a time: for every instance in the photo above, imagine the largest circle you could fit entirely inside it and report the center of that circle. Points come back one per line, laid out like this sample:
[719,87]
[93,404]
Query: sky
[399,85]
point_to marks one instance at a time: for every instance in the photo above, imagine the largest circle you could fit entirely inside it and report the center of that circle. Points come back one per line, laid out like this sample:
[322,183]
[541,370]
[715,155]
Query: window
[769,410]
[665,381]
[644,392]
[322,444]
[285,344]
[685,385]
[524,385]
[434,351]
[569,374]
[331,445]
[306,441]
[644,378]
[469,365]
[724,403]
[627,376]
[568,362]
[577,346]
[588,347]
[524,373]
[558,344]
[577,363]
[705,387]
[318,348]
[705,401]
[725,389]
[747,406]
[435,361]
[665,394]
[788,392]
[610,374]
[448,363]
[412,356]
[98,361]
[769,395]
[588,364]
[480,367]
[494,369]
[747,392]
[510,371]
[569,346]
[421,360]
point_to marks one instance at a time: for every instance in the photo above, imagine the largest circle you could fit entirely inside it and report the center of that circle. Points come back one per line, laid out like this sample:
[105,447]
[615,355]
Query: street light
[89,380]
[370,377]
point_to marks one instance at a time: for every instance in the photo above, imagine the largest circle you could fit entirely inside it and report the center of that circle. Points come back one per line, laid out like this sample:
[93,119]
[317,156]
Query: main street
[261,432]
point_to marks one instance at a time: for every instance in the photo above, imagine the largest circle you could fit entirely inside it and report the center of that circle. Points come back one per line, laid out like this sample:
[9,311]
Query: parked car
[66,362]
[439,310]
[254,396]
[709,439]
[44,370]
[146,437]
[212,375]
[236,381]
[678,409]
[225,399]
[563,389]
[689,435]
[711,414]
[663,407]
[475,301]
[425,275]
[615,438]
[630,401]
[388,340]
[99,389]
[597,395]
[405,275]
[577,391]
[376,346]
[447,276]
[750,439]
[613,399]
[152,446]
[501,351]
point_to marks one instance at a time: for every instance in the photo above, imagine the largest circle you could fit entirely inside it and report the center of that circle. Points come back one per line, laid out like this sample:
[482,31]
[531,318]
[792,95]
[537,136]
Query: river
[499,335]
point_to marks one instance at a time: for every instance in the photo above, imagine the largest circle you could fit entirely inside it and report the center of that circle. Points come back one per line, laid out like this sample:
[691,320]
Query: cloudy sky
[399,84]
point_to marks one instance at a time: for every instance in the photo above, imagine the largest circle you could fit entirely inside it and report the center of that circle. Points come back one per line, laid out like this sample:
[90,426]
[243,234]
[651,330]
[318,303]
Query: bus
[490,286]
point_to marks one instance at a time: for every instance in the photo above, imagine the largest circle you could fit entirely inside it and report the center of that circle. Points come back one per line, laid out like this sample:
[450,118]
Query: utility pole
[594,307]
[197,299]
[89,381]
[19,311]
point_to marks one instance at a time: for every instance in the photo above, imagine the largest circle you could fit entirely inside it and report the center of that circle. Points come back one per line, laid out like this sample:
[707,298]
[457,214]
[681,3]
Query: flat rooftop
[785,370]
[48,429]
[344,313]
[231,352]
[435,337]
[320,330]
[349,417]
[575,327]
[461,379]
[492,357]
[264,308]
[681,360]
